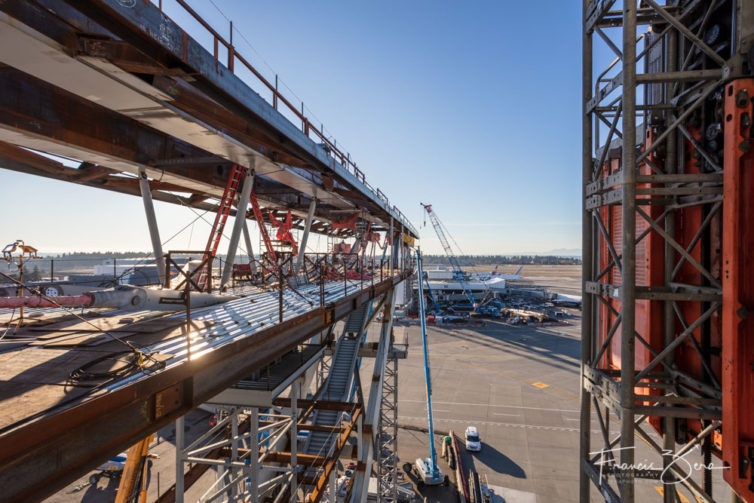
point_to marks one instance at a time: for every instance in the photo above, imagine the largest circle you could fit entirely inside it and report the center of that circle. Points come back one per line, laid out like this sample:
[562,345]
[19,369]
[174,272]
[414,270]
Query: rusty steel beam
[230,122]
[123,54]
[35,109]
[32,107]
[22,160]
[102,31]
[41,456]
[176,55]
[59,21]
[93,176]
[187,99]
[190,57]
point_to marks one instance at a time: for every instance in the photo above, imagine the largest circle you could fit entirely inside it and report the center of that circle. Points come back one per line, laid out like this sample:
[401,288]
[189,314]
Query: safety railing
[317,268]
[307,127]
[70,275]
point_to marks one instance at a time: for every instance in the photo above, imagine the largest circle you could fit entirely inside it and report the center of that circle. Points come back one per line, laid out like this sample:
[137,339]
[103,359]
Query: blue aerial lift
[427,468]
[438,310]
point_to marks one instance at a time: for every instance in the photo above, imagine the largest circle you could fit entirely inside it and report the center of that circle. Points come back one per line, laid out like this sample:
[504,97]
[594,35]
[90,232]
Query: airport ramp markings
[661,490]
[575,411]
[497,423]
[507,374]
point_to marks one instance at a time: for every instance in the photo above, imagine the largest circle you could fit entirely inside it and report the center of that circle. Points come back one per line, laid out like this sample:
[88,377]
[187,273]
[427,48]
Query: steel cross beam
[81,129]
[38,458]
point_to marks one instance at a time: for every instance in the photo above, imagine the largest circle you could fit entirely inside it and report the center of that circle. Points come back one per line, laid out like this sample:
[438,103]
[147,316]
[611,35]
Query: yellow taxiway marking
[508,374]
[661,490]
[527,381]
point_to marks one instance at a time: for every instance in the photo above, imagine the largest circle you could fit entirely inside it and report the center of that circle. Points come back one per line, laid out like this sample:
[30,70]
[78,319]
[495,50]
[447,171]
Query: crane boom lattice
[458,273]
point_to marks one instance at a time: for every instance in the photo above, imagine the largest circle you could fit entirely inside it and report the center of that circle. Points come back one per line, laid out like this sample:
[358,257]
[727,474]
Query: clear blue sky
[470,106]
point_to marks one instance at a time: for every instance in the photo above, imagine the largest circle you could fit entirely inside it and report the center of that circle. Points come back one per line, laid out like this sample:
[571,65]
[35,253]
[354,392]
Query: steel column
[154,232]
[294,441]
[254,461]
[392,246]
[232,470]
[180,445]
[671,159]
[387,436]
[628,270]
[238,225]
[305,237]
[587,302]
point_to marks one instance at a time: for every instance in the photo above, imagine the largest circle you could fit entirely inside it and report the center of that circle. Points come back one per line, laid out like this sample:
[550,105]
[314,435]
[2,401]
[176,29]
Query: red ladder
[221,217]
[262,229]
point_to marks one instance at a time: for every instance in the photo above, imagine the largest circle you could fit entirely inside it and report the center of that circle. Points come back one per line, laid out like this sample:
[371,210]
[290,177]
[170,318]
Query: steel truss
[256,449]
[230,446]
[253,452]
[652,232]
[387,436]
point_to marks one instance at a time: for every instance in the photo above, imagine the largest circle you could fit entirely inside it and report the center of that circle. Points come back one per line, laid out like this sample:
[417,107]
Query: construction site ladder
[262,229]
[221,217]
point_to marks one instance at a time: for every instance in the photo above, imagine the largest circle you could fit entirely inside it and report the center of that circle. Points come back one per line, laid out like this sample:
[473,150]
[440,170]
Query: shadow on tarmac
[104,490]
[499,462]
[545,347]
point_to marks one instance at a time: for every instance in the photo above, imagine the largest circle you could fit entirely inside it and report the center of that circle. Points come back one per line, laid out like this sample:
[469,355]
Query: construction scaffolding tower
[667,189]
[387,437]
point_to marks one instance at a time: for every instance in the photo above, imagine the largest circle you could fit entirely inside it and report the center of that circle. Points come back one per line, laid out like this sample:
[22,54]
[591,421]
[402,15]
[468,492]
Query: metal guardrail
[307,126]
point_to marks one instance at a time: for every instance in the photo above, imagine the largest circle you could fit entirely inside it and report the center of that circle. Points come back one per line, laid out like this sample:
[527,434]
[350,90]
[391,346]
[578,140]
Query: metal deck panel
[82,432]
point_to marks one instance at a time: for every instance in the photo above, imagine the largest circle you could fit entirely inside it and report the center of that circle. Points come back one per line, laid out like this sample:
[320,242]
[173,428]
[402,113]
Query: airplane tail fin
[519,271]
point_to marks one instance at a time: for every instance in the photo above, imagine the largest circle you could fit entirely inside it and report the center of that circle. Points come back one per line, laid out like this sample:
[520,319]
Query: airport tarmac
[519,385]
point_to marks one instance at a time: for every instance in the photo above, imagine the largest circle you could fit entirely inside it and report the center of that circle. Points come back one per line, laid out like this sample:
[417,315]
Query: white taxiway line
[492,405]
[494,423]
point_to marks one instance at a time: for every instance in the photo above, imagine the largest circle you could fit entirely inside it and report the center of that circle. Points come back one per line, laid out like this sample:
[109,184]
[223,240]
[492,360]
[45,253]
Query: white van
[473,443]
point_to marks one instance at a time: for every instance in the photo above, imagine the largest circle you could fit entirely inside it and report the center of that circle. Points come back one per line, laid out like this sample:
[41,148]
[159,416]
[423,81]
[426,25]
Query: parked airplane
[494,274]
[561,299]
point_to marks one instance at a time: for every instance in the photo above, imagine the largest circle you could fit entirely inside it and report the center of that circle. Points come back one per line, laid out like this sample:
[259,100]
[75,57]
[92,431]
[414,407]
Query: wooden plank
[112,324]
[19,401]
[79,339]
[43,365]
